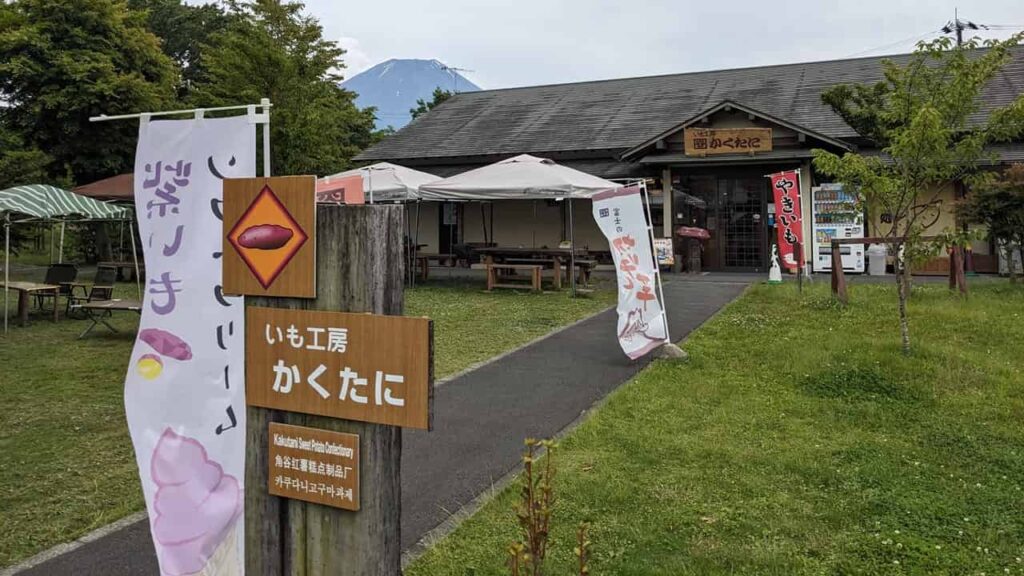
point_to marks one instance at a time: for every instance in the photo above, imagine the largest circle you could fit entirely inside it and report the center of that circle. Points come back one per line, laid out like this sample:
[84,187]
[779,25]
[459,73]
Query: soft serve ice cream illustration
[197,509]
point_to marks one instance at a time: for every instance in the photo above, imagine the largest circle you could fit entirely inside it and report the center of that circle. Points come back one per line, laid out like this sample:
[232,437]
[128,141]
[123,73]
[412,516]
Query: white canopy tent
[386,182]
[522,177]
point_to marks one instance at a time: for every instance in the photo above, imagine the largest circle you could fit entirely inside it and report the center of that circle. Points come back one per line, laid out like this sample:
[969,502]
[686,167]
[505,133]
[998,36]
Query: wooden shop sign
[314,465]
[711,141]
[270,236]
[361,367]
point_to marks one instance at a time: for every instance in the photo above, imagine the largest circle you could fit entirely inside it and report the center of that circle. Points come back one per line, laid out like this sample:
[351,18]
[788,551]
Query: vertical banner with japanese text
[620,215]
[184,391]
[789,223]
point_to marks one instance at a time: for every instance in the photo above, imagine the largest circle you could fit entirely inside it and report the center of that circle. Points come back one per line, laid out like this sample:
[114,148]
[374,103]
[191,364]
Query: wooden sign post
[359,268]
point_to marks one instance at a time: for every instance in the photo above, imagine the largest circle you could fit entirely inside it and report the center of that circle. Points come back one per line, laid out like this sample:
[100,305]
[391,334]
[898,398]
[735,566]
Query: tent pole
[534,223]
[492,224]
[7,265]
[60,254]
[51,244]
[483,220]
[416,236]
[369,179]
[135,260]
[572,250]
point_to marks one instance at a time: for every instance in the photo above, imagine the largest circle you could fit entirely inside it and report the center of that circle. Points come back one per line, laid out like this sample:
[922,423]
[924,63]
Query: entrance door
[741,211]
[732,209]
[448,231]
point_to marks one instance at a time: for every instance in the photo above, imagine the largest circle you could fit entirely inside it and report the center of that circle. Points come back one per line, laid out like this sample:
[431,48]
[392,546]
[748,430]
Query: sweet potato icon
[265,237]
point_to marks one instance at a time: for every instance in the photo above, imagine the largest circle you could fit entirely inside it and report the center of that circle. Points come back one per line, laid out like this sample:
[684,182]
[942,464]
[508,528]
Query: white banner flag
[620,215]
[184,393]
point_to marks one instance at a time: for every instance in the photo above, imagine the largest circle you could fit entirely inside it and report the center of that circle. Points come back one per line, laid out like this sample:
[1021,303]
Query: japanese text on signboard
[786,189]
[708,141]
[354,366]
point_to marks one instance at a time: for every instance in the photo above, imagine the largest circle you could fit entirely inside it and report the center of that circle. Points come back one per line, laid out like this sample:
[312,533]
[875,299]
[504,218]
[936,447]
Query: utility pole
[957,26]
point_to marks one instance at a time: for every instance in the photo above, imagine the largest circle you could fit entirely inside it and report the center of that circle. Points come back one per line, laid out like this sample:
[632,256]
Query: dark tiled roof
[615,115]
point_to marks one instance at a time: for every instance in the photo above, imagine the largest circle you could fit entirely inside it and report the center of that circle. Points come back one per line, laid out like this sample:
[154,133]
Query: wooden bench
[423,261]
[584,268]
[503,272]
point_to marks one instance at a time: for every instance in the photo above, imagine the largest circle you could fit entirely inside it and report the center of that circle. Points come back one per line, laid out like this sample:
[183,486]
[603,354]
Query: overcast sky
[529,42]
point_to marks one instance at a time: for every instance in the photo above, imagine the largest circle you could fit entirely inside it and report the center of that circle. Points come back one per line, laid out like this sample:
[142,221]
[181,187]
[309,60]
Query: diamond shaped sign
[267,235]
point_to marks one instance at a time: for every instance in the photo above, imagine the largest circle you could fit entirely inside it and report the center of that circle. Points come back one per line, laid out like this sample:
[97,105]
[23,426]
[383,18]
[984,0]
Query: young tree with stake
[921,116]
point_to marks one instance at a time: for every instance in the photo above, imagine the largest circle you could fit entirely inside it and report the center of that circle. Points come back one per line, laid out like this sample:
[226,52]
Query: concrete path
[481,419]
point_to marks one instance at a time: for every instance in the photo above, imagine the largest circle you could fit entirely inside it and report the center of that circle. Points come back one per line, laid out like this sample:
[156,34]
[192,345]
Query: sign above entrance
[361,367]
[711,141]
[270,236]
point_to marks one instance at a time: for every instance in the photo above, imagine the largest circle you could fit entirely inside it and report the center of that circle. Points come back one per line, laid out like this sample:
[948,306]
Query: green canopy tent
[44,203]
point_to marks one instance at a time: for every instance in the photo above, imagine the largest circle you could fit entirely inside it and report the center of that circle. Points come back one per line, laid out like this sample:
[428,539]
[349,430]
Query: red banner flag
[789,221]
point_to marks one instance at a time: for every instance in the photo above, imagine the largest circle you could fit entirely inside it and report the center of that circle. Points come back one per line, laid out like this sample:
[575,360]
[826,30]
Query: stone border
[61,549]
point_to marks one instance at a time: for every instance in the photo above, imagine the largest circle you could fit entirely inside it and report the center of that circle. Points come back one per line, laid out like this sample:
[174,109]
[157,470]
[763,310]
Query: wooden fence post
[359,268]
[838,276]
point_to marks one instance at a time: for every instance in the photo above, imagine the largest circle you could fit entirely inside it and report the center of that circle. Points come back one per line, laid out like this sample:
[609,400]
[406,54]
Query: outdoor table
[96,312]
[26,290]
[557,257]
[125,270]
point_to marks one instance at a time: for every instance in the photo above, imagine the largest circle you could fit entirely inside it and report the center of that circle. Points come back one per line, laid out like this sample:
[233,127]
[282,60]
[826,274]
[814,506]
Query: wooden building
[636,128]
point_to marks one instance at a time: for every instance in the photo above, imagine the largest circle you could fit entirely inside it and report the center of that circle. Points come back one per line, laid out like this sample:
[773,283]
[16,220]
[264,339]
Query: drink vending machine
[836,215]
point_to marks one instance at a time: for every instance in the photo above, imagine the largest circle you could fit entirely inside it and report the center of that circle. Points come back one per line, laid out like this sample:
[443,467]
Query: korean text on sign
[314,465]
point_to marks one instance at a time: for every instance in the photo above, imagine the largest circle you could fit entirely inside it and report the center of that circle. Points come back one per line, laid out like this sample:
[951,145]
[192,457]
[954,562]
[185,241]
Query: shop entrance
[732,209]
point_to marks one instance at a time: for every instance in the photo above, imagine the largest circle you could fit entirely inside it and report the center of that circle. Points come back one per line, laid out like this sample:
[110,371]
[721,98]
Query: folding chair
[102,287]
[62,275]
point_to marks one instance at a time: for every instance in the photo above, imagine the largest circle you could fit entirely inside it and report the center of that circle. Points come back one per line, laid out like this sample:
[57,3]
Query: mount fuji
[394,86]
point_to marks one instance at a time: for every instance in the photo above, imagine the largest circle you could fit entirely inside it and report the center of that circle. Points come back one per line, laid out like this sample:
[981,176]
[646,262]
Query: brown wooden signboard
[314,465]
[270,236]
[361,367]
[712,141]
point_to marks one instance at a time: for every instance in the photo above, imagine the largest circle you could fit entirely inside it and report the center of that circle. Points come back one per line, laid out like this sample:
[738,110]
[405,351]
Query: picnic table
[125,269]
[97,312]
[555,258]
[25,292]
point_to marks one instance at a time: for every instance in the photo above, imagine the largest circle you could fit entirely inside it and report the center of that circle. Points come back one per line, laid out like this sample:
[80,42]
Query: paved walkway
[481,419]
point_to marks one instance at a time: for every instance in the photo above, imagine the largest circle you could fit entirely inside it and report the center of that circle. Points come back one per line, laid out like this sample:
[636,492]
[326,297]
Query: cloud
[355,58]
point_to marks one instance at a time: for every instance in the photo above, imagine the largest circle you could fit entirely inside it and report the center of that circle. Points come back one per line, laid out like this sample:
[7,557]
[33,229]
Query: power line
[914,39]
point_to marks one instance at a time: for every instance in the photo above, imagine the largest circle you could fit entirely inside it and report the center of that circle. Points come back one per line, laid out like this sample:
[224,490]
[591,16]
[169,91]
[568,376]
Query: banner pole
[265,105]
[654,256]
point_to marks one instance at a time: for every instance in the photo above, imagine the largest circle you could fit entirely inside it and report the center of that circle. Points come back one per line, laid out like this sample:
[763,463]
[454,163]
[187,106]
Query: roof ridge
[695,72]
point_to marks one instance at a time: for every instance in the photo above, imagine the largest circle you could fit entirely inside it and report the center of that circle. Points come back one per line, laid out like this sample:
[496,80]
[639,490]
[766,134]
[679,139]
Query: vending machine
[836,215]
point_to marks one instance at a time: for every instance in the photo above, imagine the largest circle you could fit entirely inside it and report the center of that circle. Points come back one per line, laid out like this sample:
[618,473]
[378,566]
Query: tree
[920,116]
[19,164]
[62,61]
[422,106]
[272,50]
[999,206]
[183,29]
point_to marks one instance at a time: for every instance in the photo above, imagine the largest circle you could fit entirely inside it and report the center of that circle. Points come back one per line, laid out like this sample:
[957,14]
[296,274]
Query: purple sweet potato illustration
[265,237]
[166,344]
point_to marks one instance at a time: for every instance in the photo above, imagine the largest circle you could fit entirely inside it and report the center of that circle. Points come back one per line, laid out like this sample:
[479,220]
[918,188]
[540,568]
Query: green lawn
[798,440]
[66,462]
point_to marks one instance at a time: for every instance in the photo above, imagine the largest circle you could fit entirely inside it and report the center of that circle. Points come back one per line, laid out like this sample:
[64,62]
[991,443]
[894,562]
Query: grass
[66,461]
[798,440]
